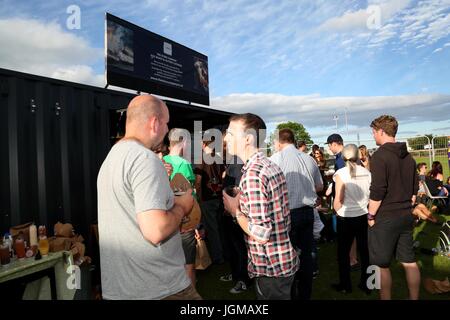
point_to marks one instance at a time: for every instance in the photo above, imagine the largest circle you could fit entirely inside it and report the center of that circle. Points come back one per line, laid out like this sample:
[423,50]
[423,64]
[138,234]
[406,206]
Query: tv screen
[141,60]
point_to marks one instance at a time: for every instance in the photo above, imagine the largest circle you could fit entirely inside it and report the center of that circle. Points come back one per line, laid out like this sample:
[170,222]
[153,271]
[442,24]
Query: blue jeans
[302,237]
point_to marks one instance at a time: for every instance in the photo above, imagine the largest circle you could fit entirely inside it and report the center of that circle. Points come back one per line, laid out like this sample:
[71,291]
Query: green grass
[211,288]
[442,159]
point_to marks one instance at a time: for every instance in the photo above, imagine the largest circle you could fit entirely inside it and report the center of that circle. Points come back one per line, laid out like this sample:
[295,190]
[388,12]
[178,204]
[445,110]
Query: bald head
[147,119]
[141,108]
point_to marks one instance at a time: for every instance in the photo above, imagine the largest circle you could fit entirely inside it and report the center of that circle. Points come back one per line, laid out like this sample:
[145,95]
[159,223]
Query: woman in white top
[350,202]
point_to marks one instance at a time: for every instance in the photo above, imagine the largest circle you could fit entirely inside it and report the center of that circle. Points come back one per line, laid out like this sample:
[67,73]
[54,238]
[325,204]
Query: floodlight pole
[346,122]
[336,118]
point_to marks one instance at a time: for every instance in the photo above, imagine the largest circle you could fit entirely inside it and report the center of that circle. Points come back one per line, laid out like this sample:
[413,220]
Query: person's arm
[158,225]
[198,181]
[256,223]
[318,182]
[198,186]
[415,188]
[374,206]
[340,193]
[150,187]
[378,186]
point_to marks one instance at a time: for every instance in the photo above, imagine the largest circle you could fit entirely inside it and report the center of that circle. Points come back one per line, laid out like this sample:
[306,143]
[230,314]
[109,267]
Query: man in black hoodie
[392,194]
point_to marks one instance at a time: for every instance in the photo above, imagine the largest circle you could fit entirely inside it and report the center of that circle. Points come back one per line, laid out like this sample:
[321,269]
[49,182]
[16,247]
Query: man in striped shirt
[303,182]
[262,210]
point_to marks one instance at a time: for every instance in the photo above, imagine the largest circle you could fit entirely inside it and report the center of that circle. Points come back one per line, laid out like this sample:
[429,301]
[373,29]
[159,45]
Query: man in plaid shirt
[262,211]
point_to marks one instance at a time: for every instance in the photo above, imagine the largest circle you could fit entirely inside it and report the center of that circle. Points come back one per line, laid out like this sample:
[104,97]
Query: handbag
[202,258]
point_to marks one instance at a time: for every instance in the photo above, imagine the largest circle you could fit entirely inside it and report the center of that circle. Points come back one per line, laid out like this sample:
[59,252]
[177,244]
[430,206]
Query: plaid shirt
[264,201]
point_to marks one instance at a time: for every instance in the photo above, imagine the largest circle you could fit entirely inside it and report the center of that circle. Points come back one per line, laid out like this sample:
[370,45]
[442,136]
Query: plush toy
[63,230]
[66,239]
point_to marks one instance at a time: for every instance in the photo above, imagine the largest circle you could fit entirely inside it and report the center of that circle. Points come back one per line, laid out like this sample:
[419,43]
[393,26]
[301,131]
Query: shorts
[391,234]
[189,246]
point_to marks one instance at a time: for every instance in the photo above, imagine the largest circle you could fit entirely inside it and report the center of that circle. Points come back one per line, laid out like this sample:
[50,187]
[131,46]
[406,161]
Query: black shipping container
[55,136]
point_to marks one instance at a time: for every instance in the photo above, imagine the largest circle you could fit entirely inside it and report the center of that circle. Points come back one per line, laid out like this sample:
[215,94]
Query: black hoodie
[394,177]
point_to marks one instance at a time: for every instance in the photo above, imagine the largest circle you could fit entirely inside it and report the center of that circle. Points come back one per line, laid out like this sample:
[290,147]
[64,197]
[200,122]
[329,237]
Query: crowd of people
[258,213]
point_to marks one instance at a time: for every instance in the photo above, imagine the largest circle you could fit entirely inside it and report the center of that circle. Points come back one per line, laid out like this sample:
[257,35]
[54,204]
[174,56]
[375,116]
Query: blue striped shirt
[302,176]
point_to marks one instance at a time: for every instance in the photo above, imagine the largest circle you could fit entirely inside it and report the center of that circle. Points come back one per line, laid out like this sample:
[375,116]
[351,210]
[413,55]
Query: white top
[356,192]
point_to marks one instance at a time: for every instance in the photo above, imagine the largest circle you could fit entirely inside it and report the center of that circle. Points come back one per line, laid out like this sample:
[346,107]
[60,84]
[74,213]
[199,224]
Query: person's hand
[185,201]
[371,223]
[413,200]
[231,204]
[318,201]
[199,234]
[168,168]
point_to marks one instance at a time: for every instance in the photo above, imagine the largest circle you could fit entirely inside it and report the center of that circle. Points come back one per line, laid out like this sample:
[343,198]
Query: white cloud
[421,24]
[427,22]
[315,111]
[36,47]
[80,74]
[357,20]
[437,50]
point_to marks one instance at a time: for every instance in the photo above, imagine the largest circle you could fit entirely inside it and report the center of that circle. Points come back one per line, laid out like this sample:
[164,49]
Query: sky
[285,60]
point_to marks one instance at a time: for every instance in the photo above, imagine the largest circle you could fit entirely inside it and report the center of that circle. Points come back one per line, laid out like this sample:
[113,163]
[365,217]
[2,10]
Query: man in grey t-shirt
[138,216]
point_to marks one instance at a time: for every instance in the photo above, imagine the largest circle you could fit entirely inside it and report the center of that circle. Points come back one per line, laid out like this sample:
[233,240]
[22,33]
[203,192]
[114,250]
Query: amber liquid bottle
[43,241]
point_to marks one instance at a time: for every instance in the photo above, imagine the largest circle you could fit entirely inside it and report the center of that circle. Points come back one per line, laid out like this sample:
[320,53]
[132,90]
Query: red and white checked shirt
[264,201]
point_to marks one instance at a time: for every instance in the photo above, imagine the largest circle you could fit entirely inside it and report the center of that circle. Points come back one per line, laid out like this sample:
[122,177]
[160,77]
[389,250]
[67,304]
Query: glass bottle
[43,241]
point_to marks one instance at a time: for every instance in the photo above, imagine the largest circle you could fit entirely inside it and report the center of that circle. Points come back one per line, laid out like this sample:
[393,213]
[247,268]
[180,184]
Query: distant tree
[420,143]
[299,131]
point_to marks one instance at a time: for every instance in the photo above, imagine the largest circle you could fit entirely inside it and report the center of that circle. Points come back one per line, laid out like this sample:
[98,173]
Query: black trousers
[235,249]
[347,230]
[302,237]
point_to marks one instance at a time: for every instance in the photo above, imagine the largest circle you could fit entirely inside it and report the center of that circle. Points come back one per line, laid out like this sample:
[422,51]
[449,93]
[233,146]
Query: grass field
[436,267]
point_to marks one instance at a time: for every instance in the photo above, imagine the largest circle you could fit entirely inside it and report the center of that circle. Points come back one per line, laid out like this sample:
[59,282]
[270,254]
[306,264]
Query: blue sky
[285,60]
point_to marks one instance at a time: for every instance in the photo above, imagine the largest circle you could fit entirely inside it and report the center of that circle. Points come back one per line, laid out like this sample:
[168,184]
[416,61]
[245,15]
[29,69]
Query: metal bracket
[33,106]
[57,109]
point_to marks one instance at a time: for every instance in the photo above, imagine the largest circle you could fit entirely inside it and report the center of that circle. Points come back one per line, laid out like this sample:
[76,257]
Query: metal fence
[422,148]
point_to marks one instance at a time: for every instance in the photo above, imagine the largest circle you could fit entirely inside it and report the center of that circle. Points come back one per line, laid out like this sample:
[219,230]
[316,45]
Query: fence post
[432,146]
[430,159]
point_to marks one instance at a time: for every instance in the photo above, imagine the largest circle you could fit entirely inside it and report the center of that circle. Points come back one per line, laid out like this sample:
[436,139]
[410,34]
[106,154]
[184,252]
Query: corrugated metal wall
[54,137]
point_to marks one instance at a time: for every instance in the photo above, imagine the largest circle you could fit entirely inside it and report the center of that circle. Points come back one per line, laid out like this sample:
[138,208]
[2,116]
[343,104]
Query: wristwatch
[370,216]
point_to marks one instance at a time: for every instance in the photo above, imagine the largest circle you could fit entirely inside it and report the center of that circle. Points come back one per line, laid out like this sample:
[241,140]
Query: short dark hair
[387,123]
[420,165]
[335,138]
[252,121]
[301,143]
[286,136]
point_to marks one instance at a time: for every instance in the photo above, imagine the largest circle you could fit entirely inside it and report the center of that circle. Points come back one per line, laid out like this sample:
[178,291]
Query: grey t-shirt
[131,180]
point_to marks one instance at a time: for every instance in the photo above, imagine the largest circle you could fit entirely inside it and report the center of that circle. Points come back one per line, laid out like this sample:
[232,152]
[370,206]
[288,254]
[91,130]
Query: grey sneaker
[239,287]
[226,278]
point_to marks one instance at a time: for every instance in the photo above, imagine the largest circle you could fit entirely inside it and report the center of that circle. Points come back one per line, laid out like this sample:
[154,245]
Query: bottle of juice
[19,246]
[43,241]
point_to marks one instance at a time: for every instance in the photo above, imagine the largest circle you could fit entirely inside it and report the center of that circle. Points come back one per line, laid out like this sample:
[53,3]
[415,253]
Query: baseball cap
[335,138]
